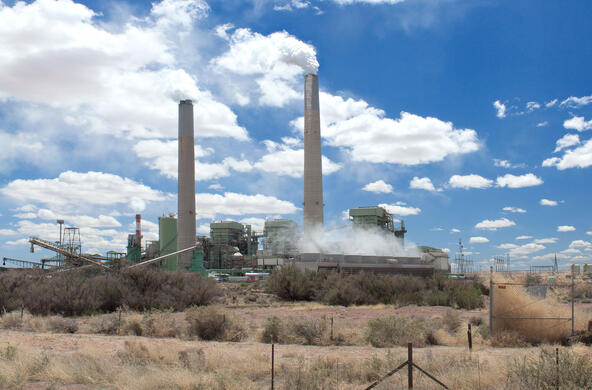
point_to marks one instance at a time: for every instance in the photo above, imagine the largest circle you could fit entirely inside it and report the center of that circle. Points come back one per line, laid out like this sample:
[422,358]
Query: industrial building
[233,245]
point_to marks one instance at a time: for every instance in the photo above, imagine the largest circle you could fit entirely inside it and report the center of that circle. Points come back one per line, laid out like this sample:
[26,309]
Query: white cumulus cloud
[369,136]
[400,209]
[379,187]
[523,237]
[90,188]
[567,141]
[478,240]
[580,157]
[578,123]
[423,183]
[514,209]
[565,228]
[577,102]
[548,202]
[230,203]
[513,181]
[495,224]
[500,109]
[469,181]
[124,82]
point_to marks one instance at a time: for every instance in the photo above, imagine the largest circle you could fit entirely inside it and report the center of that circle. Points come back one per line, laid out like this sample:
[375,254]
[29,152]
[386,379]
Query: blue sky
[468,119]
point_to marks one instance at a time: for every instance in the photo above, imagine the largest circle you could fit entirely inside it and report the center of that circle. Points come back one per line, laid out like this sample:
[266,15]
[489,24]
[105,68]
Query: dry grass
[140,363]
[514,301]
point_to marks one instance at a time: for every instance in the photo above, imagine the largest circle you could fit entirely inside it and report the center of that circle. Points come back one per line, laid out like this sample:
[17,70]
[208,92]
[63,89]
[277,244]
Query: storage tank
[167,232]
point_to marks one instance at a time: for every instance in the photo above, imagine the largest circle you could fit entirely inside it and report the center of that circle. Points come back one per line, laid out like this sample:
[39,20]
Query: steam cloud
[302,55]
[355,240]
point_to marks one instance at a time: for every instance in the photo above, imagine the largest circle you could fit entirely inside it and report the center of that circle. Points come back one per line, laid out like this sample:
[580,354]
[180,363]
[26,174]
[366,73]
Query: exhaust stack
[186,180]
[313,173]
[139,229]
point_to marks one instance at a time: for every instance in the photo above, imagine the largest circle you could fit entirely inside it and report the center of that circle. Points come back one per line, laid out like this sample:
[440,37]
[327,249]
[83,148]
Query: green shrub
[541,372]
[391,331]
[291,283]
[438,298]
[272,330]
[468,298]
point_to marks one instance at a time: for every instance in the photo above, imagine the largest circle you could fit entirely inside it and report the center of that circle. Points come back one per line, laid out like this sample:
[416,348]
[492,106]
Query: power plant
[233,247]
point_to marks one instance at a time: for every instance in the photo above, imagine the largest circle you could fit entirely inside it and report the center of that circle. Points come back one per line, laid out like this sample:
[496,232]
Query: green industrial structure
[167,232]
[377,216]
[280,237]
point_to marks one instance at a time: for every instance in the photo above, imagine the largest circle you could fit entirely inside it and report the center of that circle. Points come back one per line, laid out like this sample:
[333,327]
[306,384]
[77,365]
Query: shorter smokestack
[139,228]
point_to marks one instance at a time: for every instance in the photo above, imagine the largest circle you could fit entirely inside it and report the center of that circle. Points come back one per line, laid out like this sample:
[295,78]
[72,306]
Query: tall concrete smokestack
[186,194]
[313,173]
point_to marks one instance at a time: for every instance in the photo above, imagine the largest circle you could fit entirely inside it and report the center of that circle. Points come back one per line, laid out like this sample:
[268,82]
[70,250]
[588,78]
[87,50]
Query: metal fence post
[491,301]
[573,297]
[410,365]
[470,337]
[557,368]
[272,364]
[331,328]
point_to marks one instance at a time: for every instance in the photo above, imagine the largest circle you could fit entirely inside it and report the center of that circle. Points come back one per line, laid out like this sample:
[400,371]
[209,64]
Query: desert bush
[210,323]
[391,331]
[272,330]
[134,353]
[11,321]
[108,324]
[468,298]
[291,283]
[159,324]
[91,291]
[62,325]
[508,338]
[308,331]
[451,320]
[133,326]
[476,321]
[541,372]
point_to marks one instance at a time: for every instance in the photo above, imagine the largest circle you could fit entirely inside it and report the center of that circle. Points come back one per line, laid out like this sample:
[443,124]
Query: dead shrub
[391,331]
[508,338]
[542,372]
[134,353]
[62,325]
[134,327]
[476,321]
[157,324]
[211,323]
[451,320]
[108,324]
[193,358]
[11,321]
[308,331]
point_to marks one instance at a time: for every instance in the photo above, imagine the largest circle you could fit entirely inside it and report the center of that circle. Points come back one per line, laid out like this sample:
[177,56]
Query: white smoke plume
[354,240]
[302,55]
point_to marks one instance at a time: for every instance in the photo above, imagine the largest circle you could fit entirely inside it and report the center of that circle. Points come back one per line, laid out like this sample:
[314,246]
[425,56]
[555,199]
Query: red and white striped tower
[139,229]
